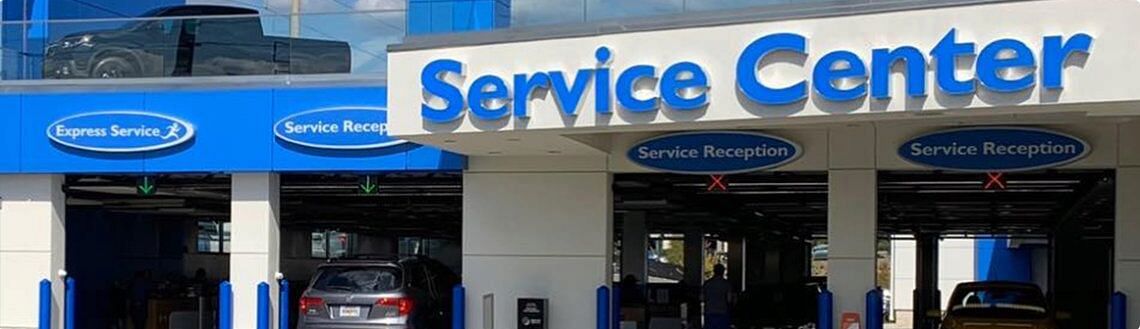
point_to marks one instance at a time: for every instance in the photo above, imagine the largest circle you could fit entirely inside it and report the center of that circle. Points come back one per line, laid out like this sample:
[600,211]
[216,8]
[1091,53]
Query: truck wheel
[114,66]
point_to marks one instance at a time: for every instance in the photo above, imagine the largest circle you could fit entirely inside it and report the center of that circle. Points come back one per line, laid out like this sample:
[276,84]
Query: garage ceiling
[1033,204]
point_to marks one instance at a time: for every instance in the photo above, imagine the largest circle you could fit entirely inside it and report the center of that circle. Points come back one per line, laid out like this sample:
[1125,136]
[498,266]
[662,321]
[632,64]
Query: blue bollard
[1119,311]
[875,309]
[458,307]
[263,305]
[45,304]
[225,305]
[69,304]
[603,307]
[283,305]
[826,310]
[615,296]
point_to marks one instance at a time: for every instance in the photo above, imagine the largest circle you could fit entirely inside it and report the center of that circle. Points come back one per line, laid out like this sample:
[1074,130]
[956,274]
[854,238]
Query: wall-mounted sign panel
[715,152]
[820,68]
[993,149]
[120,131]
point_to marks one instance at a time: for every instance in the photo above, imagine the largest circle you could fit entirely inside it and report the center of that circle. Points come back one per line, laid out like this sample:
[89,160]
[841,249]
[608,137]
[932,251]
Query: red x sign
[994,181]
[716,182]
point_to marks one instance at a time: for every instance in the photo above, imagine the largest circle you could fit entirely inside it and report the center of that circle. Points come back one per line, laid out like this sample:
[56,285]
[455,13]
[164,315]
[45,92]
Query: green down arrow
[146,187]
[368,186]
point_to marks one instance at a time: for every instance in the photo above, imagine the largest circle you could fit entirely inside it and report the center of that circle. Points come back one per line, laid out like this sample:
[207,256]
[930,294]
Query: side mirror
[1063,315]
[934,313]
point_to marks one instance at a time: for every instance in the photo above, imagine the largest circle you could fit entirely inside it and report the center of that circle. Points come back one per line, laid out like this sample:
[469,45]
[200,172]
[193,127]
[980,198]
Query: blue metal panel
[10,133]
[430,158]
[231,131]
[445,16]
[463,16]
[441,17]
[995,260]
[38,154]
[419,17]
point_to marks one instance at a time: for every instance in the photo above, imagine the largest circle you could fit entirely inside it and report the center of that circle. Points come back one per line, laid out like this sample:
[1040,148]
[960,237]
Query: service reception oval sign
[718,152]
[120,131]
[993,149]
[337,128]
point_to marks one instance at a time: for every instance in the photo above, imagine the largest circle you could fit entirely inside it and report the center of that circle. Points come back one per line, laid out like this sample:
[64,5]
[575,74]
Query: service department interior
[522,164]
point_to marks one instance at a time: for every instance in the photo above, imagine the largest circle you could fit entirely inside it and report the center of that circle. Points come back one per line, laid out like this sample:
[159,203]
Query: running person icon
[172,131]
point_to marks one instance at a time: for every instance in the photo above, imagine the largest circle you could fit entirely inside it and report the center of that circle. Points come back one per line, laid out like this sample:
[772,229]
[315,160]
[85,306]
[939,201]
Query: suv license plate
[350,311]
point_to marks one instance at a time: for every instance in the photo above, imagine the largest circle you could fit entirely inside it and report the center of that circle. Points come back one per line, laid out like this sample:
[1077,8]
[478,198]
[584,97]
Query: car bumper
[63,69]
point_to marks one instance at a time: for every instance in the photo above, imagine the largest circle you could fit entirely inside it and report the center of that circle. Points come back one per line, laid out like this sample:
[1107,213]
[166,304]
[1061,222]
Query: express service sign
[990,149]
[715,152]
[337,128]
[120,131]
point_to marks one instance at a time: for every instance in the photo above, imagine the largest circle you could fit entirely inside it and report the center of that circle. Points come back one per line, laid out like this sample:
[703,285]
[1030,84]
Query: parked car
[997,305]
[191,40]
[411,293]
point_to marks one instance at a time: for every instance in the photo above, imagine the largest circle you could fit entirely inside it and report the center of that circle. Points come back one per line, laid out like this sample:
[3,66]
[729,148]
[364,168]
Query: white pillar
[852,218]
[255,250]
[1127,252]
[536,228]
[32,239]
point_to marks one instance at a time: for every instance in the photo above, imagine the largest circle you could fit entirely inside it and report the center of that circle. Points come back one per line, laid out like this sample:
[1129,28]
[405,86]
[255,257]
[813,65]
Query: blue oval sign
[120,131]
[337,128]
[719,152]
[987,149]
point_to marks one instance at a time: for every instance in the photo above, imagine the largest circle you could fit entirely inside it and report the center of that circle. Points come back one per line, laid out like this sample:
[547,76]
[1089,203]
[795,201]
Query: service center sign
[716,152]
[120,131]
[337,128]
[991,149]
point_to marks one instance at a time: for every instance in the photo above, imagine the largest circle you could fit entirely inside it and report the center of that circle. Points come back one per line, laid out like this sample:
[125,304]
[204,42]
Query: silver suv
[411,293]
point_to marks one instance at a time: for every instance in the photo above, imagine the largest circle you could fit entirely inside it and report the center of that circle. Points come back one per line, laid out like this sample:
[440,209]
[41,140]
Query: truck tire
[113,66]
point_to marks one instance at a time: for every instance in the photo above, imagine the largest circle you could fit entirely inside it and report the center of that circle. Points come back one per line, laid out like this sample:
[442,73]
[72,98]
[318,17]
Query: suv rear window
[358,279]
[998,302]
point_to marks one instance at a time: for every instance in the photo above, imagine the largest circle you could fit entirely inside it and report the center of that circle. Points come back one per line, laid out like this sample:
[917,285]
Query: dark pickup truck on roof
[191,40]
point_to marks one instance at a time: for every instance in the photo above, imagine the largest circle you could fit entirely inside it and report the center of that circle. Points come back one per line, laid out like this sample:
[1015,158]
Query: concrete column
[694,272]
[634,246]
[852,217]
[851,238]
[32,241]
[255,251]
[736,263]
[1127,265]
[927,296]
[536,227]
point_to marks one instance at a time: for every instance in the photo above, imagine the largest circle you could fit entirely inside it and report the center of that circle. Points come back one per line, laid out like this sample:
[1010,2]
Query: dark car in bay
[408,293]
[191,40]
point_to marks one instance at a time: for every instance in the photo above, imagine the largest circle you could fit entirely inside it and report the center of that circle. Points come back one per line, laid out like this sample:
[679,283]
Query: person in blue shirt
[717,297]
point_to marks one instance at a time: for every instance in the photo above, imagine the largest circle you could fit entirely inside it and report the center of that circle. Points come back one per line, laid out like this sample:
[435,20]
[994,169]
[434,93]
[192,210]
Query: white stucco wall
[536,228]
[32,247]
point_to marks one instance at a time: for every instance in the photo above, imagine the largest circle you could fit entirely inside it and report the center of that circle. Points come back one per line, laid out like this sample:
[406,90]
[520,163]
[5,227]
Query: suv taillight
[312,305]
[402,306]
